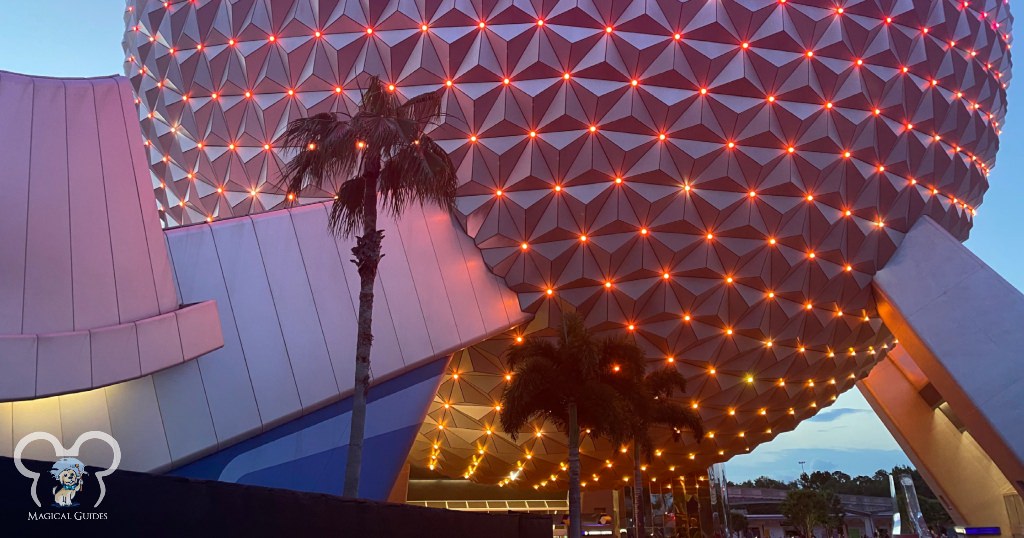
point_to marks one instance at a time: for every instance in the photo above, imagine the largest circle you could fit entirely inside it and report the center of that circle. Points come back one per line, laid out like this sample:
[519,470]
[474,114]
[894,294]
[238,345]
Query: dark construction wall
[139,504]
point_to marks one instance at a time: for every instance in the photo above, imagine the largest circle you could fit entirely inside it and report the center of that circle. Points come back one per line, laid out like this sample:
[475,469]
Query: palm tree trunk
[575,523]
[638,494]
[367,257]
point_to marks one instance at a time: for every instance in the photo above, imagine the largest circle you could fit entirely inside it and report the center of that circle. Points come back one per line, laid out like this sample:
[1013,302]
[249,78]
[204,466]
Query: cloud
[785,464]
[829,415]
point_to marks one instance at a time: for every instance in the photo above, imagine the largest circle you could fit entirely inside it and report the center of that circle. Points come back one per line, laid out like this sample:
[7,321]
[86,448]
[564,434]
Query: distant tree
[763,482]
[573,381]
[738,522]
[835,514]
[804,509]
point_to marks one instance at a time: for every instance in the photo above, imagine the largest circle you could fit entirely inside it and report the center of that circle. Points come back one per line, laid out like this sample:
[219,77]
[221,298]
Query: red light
[482,24]
[540,22]
[745,45]
[317,34]
[337,89]
[565,76]
[424,27]
[607,29]
[369,31]
[506,81]
[272,38]
[677,36]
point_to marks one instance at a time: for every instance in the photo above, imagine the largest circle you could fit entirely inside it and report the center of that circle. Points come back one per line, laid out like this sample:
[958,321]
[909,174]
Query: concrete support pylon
[952,393]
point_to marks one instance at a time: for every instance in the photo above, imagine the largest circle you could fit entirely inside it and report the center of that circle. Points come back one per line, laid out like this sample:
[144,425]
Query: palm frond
[325,146]
[664,382]
[349,208]
[679,418]
[529,395]
[418,172]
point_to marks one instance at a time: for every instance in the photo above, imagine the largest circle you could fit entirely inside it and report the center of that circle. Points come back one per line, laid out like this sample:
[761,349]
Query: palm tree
[382,156]
[573,382]
[652,406]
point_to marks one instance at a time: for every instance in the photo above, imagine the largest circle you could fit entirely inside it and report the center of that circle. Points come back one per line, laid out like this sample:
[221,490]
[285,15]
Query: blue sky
[83,38]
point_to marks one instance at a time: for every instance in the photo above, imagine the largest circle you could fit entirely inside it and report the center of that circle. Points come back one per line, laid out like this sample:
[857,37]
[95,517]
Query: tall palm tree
[574,383]
[382,156]
[653,406]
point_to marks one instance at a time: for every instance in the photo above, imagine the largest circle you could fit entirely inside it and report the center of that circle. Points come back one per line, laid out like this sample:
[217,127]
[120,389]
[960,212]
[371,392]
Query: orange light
[266,146]
[771,241]
[498,192]
[472,138]
[752,194]
[608,284]
[540,22]
[634,82]
[291,92]
[506,81]
[810,54]
[558,188]
[730,145]
[661,136]
[790,149]
[424,27]
[846,154]
[703,91]
[828,105]
[337,89]
[631,327]
[524,246]
[565,76]
[448,83]
[391,87]
[710,236]
[745,45]
[771,98]
[583,238]
[550,291]
[593,128]
[482,24]
[666,276]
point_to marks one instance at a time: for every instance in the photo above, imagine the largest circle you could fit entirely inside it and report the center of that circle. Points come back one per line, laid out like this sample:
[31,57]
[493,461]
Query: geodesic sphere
[718,178]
